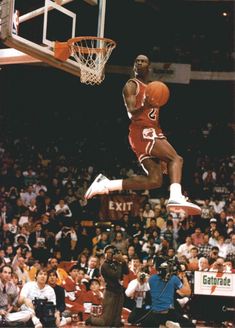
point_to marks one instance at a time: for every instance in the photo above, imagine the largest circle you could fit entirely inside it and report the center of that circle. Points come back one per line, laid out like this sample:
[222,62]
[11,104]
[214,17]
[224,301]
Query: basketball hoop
[91,54]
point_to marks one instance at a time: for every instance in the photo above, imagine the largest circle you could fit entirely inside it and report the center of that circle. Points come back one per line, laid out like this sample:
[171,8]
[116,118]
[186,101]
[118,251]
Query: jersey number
[153,114]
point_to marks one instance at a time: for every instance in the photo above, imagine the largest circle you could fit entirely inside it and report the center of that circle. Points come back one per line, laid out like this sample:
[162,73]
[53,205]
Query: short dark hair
[39,270]
[6,266]
[52,271]
[93,280]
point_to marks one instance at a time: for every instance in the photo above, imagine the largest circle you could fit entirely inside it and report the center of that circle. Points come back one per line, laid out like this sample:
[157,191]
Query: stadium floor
[82,324]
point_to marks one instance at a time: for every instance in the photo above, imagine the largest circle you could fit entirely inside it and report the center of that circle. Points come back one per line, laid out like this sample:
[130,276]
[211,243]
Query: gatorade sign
[214,283]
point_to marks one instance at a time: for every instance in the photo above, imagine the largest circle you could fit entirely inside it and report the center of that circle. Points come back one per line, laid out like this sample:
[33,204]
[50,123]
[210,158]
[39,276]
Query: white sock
[114,185]
[175,191]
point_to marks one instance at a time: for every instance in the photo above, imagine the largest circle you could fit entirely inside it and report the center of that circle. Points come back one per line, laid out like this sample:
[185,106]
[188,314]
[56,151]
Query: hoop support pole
[101,18]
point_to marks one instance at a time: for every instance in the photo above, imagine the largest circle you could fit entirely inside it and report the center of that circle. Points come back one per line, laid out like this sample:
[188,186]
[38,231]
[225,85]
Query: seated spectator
[20,268]
[13,226]
[193,259]
[52,264]
[119,242]
[203,264]
[185,248]
[168,233]
[60,296]
[93,299]
[38,289]
[160,222]
[6,236]
[197,237]
[28,195]
[150,248]
[23,232]
[207,213]
[75,290]
[131,252]
[37,241]
[22,244]
[66,239]
[230,226]
[218,206]
[63,212]
[97,236]
[214,254]
[33,210]
[223,247]
[213,240]
[9,254]
[231,249]
[137,230]
[137,243]
[218,265]
[212,226]
[152,227]
[99,247]
[204,248]
[148,214]
[92,270]
[134,266]
[83,261]
[8,299]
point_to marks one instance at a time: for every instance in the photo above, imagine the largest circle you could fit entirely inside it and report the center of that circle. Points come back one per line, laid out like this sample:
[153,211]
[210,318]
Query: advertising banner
[214,283]
[170,72]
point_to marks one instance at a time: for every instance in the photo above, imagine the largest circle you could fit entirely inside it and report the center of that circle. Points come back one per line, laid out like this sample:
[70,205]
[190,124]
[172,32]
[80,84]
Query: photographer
[112,271]
[162,289]
[137,290]
[38,298]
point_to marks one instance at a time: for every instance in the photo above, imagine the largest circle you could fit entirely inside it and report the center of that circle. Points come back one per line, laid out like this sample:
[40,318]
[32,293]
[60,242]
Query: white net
[91,54]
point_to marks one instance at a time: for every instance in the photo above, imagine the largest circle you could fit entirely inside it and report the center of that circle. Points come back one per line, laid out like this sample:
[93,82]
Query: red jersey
[147,117]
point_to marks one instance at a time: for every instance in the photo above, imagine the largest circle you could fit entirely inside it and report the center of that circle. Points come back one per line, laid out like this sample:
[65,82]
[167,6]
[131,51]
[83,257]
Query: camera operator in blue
[162,289]
[112,270]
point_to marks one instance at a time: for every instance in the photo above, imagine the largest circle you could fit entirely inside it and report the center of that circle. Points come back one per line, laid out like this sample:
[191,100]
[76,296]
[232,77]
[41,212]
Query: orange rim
[88,50]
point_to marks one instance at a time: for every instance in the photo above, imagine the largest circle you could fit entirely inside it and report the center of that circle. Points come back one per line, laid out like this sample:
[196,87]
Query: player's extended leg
[153,179]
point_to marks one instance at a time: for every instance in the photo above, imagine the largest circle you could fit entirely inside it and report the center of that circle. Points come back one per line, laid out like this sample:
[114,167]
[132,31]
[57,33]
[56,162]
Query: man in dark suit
[37,241]
[92,270]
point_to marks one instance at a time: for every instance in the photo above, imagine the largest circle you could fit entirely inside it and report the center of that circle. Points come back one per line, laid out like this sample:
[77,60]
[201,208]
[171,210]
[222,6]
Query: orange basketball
[157,93]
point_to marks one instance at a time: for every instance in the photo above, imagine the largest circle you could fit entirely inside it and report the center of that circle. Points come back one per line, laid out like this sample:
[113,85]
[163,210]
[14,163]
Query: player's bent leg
[177,202]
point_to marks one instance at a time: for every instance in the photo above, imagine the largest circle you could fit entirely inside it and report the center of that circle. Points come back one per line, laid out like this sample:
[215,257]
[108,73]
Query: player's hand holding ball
[157,94]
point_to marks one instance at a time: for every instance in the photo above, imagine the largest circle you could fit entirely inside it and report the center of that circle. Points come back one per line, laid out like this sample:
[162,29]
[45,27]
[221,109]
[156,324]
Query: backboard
[32,29]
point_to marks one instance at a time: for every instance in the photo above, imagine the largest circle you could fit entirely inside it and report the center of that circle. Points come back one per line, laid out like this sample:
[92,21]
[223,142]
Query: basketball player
[150,146]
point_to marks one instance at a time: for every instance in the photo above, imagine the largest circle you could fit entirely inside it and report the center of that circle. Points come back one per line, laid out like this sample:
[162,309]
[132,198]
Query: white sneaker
[181,204]
[183,301]
[64,321]
[37,323]
[98,187]
[172,324]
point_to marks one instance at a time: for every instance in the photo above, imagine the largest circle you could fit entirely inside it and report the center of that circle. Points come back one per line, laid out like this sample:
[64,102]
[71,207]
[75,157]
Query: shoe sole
[177,208]
[171,324]
[91,186]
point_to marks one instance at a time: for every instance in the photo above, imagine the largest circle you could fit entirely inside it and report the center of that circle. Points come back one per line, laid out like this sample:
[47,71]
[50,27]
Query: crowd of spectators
[42,209]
